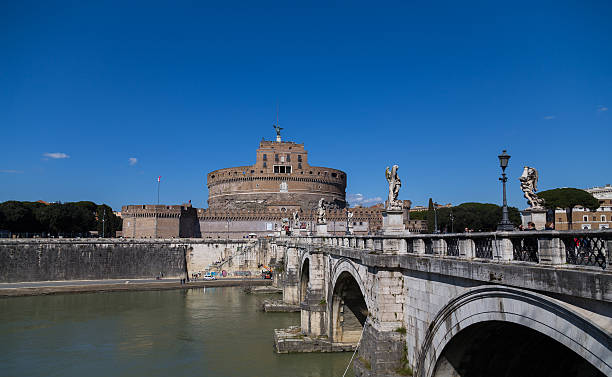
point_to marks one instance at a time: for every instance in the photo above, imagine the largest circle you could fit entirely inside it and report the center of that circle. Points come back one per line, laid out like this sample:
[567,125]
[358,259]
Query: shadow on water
[198,332]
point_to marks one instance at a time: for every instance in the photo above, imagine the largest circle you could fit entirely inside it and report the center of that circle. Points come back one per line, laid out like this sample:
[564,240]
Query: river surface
[197,332]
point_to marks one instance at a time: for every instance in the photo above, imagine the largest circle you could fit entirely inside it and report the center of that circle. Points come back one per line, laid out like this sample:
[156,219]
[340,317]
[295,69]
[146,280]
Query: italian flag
[159,179]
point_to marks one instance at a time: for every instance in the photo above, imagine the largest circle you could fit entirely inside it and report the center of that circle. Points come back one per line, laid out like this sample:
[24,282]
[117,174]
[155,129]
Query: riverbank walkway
[86,286]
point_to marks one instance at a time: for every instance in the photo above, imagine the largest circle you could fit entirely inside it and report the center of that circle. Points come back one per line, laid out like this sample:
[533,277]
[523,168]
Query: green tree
[477,216]
[70,219]
[418,215]
[568,198]
[18,217]
[112,223]
[430,216]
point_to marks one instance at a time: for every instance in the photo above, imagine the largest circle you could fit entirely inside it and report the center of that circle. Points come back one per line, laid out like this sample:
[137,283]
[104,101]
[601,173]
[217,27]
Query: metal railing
[525,249]
[483,247]
[591,248]
[452,246]
[587,250]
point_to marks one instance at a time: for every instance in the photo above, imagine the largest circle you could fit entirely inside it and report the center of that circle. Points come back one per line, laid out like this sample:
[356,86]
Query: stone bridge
[473,304]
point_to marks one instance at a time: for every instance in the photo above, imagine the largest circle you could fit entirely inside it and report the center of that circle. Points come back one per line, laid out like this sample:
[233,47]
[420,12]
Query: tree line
[480,217]
[58,219]
[485,217]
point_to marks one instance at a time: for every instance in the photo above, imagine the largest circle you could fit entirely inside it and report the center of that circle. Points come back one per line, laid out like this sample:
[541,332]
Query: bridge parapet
[589,248]
[408,282]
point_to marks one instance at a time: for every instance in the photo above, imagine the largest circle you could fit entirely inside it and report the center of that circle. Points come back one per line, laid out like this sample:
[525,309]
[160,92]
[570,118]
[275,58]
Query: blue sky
[99,98]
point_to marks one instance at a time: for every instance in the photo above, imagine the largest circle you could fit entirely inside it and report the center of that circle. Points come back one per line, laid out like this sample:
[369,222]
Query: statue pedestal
[393,222]
[537,216]
[321,230]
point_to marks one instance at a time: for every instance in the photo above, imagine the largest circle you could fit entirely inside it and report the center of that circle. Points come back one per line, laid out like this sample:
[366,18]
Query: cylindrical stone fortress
[281,179]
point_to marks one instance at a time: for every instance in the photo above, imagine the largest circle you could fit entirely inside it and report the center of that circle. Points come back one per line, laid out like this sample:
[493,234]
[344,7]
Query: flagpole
[158,183]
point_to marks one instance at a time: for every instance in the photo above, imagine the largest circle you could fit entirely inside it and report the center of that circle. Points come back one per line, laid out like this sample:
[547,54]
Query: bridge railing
[591,248]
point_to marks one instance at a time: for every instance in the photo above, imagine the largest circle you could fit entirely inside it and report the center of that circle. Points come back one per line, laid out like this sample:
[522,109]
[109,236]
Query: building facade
[160,221]
[584,218]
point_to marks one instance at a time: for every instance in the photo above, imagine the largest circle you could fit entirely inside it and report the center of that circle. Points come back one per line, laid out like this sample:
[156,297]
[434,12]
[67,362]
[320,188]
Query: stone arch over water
[304,278]
[499,331]
[348,307]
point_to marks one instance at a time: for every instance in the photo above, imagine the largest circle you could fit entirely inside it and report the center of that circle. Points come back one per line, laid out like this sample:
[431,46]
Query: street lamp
[452,220]
[504,224]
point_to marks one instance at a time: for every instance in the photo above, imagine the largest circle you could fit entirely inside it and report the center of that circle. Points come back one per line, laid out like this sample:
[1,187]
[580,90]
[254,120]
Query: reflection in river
[199,332]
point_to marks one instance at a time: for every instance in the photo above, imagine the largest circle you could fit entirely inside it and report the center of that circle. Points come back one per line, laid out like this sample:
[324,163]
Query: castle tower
[281,179]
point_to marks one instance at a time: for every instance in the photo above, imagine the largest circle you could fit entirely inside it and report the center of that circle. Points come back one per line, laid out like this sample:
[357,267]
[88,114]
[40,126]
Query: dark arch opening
[349,310]
[304,279]
[504,349]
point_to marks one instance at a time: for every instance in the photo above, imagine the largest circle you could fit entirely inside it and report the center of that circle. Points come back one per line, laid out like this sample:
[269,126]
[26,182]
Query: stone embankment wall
[231,255]
[79,259]
[42,260]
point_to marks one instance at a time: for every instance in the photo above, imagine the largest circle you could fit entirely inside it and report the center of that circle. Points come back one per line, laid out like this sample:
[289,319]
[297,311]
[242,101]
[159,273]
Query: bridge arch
[348,306]
[511,321]
[304,276]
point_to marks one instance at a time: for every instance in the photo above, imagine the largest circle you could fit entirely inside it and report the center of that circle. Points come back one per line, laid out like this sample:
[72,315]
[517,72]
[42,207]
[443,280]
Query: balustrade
[585,248]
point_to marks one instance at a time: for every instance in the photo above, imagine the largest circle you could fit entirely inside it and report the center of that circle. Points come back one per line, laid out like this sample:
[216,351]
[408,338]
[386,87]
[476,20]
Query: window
[560,220]
[603,217]
[288,158]
[299,158]
[585,218]
[282,169]
[265,157]
[299,165]
[265,165]
[276,158]
[334,175]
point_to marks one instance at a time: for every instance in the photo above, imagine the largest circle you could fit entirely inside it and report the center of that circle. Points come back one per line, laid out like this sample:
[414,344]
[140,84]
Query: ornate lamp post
[504,224]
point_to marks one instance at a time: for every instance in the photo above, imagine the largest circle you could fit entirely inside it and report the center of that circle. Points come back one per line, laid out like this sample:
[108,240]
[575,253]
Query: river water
[197,332]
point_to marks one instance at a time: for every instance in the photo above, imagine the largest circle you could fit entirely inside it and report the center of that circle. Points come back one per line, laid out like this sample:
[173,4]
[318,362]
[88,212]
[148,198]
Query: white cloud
[354,198]
[10,171]
[359,199]
[549,117]
[56,155]
[602,108]
[133,161]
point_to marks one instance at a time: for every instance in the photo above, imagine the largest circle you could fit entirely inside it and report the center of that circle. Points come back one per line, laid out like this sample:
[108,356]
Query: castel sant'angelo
[280,180]
[260,200]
